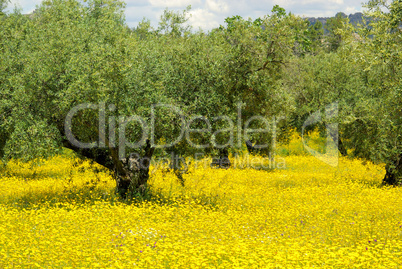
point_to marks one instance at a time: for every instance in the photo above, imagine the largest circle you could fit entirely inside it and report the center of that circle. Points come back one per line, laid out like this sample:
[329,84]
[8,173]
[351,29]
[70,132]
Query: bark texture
[131,174]
[222,161]
[393,174]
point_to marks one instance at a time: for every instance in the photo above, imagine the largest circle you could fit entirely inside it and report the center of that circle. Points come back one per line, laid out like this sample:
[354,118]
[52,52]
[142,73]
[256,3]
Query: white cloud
[173,3]
[27,5]
[350,10]
[217,6]
[339,2]
[202,18]
[135,14]
[290,3]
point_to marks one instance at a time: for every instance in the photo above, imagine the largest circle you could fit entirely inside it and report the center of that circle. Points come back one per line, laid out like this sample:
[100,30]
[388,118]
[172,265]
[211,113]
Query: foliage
[360,77]
[380,58]
[333,26]
[315,34]
[172,23]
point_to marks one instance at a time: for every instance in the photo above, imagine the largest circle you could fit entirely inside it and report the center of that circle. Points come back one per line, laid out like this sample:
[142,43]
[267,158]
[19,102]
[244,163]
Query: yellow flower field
[64,214]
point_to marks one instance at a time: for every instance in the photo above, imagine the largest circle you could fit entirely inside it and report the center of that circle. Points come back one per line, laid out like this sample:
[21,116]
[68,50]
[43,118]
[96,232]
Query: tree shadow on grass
[91,195]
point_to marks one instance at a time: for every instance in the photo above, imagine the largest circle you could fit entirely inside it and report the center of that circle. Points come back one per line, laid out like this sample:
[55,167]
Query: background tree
[144,29]
[316,82]
[257,55]
[361,76]
[333,26]
[315,34]
[173,23]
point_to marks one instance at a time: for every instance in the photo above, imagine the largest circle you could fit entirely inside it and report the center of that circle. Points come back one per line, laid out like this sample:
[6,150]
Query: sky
[208,14]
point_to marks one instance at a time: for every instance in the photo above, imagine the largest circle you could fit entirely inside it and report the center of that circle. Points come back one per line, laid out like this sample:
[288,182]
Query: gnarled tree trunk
[250,147]
[223,160]
[258,150]
[338,141]
[131,174]
[393,175]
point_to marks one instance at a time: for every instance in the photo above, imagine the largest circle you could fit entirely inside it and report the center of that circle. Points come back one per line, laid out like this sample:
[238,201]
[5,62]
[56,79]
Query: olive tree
[381,117]
[257,53]
[74,67]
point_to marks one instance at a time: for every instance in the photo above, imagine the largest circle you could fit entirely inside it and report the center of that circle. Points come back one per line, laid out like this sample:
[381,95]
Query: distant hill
[354,19]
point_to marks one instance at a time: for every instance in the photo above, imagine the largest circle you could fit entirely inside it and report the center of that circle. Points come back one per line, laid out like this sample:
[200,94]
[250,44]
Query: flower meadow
[63,213]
